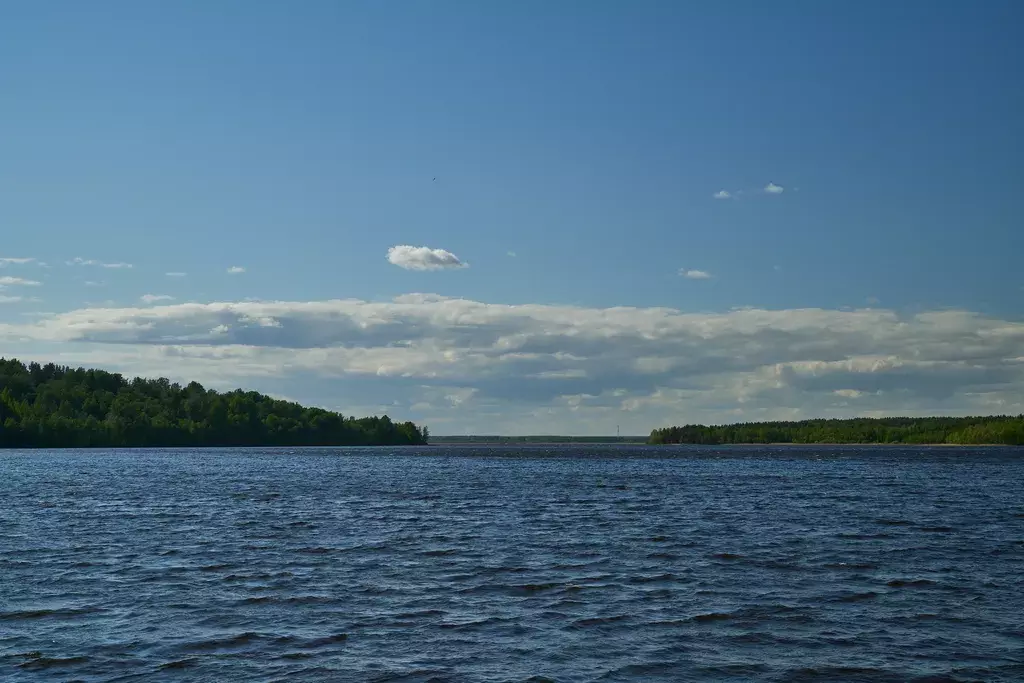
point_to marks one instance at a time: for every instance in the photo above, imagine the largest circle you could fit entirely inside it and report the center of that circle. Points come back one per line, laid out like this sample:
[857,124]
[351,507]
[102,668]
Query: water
[565,563]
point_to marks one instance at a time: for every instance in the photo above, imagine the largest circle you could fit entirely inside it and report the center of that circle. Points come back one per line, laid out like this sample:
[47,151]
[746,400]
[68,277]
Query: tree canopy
[53,406]
[1000,429]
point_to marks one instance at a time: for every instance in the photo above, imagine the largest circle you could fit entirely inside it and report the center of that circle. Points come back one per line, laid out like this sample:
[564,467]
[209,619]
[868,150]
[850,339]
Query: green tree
[54,406]
[998,429]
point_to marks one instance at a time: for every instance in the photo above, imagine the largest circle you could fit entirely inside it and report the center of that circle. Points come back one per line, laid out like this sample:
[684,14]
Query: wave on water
[569,564]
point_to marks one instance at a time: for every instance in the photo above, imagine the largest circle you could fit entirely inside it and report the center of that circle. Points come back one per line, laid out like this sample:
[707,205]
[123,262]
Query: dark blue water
[515,564]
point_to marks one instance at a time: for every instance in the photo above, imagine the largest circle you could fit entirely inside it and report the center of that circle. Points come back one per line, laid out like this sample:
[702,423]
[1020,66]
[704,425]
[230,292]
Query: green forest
[50,406]
[1001,429]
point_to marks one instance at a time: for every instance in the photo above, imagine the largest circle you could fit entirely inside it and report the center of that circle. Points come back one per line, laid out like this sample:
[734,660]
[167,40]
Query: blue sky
[562,159]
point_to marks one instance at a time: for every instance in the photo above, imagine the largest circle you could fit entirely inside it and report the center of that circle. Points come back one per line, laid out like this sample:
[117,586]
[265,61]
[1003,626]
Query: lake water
[562,563]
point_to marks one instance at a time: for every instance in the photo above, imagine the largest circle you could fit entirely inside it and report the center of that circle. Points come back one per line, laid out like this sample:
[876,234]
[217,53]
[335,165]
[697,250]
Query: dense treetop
[54,406]
[952,430]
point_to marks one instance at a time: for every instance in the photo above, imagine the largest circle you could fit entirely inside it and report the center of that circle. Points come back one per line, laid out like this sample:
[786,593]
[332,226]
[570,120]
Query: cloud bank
[544,368]
[423,258]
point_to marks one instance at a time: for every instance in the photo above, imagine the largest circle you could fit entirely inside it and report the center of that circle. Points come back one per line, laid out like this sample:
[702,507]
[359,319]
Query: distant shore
[975,430]
[845,443]
[640,441]
[538,440]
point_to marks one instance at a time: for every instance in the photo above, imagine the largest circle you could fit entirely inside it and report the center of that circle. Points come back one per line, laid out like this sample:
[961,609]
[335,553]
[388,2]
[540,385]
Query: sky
[523,218]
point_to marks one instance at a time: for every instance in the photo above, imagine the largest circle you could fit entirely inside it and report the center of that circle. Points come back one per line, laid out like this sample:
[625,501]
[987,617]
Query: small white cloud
[235,270]
[722,194]
[772,188]
[423,258]
[261,321]
[567,373]
[848,393]
[512,254]
[8,281]
[176,274]
[93,283]
[695,274]
[9,299]
[153,298]
[460,396]
[9,261]
[79,261]
[220,329]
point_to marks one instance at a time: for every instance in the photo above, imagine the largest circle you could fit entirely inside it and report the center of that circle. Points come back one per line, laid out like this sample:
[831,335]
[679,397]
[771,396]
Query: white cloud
[522,365]
[512,254]
[93,283]
[695,274]
[79,261]
[722,194]
[9,299]
[9,261]
[9,281]
[772,188]
[153,298]
[176,274]
[459,395]
[235,270]
[423,258]
[848,393]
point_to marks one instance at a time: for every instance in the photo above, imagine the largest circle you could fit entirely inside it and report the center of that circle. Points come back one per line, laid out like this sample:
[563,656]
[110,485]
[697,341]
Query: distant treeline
[1003,429]
[59,407]
[485,439]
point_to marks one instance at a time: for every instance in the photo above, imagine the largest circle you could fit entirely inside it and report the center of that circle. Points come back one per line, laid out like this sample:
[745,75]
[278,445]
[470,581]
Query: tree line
[535,439]
[52,406]
[1000,429]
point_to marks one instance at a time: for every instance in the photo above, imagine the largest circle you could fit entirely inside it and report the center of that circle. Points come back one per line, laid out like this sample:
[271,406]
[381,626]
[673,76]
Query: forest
[51,406]
[1003,429]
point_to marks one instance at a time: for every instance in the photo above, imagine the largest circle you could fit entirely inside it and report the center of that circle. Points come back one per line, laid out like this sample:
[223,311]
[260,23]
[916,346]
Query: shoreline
[718,445]
[513,444]
[845,443]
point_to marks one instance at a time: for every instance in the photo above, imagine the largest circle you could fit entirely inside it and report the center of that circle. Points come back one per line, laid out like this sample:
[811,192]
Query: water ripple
[536,564]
